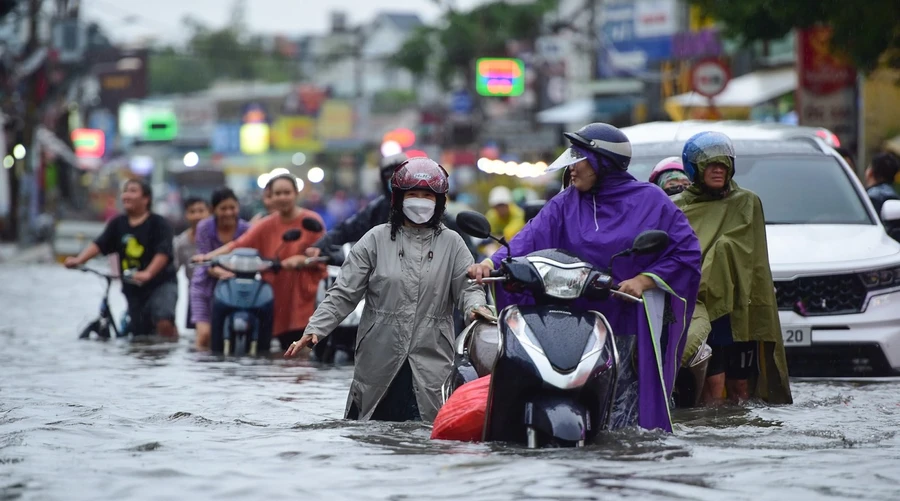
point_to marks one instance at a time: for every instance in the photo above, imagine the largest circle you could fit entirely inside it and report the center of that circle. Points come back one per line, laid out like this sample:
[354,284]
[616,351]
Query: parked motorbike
[559,375]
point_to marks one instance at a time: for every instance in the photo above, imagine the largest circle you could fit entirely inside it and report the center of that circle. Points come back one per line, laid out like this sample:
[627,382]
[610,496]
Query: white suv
[836,270]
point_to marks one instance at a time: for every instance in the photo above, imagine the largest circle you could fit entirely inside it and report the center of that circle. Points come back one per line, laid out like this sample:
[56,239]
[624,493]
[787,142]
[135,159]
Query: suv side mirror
[890,211]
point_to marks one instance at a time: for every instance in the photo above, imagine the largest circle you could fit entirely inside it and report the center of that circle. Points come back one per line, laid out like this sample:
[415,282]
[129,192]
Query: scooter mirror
[474,224]
[650,242]
[310,224]
[291,235]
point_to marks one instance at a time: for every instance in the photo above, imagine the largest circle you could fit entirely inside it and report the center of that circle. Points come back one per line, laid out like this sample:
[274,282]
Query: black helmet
[392,162]
[604,140]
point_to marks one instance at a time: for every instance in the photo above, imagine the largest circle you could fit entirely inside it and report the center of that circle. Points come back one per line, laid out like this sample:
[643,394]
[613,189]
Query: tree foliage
[463,37]
[226,53]
[866,30]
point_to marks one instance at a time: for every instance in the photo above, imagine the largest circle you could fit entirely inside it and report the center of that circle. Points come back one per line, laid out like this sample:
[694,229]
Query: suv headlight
[881,279]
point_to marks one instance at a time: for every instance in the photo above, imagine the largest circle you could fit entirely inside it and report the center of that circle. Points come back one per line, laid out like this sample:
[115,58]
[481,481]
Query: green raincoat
[737,280]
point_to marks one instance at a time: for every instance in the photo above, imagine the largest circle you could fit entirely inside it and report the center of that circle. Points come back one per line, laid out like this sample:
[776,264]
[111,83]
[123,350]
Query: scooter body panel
[551,362]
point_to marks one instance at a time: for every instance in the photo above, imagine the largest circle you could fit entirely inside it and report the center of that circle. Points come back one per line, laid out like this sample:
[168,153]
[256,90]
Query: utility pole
[18,210]
[593,39]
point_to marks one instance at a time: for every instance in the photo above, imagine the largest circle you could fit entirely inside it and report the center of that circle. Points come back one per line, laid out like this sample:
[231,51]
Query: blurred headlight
[244,264]
[881,279]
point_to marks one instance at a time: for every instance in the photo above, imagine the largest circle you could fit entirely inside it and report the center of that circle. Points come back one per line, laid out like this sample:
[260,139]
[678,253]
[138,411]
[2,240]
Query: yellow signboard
[296,133]
[335,121]
[699,21]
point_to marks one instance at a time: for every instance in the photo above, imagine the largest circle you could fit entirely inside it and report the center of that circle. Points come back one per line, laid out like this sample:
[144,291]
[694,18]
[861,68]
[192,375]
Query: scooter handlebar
[615,290]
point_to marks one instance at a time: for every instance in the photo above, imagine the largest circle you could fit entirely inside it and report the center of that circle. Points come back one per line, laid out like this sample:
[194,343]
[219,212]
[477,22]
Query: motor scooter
[559,375]
[241,319]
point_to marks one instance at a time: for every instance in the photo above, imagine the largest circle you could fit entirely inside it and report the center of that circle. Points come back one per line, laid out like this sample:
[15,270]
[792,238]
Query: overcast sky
[127,20]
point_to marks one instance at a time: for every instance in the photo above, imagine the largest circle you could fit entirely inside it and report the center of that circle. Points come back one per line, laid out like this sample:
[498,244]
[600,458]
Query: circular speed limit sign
[709,77]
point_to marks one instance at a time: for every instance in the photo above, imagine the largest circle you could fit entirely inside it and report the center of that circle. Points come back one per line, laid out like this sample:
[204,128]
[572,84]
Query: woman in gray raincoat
[412,273]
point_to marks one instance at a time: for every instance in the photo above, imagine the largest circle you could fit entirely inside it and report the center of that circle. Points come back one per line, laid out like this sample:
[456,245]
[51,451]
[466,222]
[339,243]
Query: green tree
[463,37]
[866,30]
[229,53]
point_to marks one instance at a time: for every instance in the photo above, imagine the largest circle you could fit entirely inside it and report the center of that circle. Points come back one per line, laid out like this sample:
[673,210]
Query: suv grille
[826,295]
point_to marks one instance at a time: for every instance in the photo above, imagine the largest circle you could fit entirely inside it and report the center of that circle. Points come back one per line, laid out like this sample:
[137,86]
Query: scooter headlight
[562,282]
[244,264]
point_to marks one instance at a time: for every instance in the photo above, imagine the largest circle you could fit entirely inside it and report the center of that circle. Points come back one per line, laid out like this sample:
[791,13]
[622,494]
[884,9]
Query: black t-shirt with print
[136,247]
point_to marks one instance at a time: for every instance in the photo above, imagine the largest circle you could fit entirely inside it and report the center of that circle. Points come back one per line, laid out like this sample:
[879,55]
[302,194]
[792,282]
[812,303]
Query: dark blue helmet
[702,148]
[604,140]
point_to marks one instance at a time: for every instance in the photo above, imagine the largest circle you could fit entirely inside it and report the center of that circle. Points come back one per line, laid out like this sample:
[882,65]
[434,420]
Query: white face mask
[418,210]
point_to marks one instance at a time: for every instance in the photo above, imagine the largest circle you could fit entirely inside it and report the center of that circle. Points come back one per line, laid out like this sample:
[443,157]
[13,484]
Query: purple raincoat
[596,226]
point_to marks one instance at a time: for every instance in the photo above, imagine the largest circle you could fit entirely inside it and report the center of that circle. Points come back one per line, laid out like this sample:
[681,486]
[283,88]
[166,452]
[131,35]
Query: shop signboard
[635,33]
[826,94]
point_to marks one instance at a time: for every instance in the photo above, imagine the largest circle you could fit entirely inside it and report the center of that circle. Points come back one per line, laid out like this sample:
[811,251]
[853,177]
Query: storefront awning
[577,110]
[744,91]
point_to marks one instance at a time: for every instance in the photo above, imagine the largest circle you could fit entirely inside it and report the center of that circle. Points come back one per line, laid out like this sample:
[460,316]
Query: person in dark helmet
[879,179]
[598,215]
[375,213]
[412,273]
[736,312]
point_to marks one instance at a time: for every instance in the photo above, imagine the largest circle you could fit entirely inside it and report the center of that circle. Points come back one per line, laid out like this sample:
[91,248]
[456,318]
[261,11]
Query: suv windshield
[794,189]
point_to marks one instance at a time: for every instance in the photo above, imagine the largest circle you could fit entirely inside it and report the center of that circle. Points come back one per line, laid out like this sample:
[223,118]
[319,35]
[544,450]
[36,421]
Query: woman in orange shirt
[295,291]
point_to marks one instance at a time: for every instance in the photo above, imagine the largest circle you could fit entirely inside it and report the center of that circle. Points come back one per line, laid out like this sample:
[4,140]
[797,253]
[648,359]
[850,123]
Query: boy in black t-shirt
[143,242]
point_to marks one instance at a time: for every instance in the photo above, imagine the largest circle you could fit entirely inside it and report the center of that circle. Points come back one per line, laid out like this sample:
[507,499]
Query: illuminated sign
[296,133]
[404,137]
[254,138]
[160,126]
[500,77]
[89,143]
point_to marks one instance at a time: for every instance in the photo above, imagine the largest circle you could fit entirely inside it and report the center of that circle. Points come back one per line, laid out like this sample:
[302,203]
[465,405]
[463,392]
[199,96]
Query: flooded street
[92,420]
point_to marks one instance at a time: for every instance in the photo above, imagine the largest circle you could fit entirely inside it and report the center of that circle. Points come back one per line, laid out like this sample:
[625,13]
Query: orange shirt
[295,290]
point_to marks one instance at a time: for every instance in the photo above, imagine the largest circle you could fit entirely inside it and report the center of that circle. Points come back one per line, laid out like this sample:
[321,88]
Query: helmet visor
[436,182]
[569,157]
[706,148]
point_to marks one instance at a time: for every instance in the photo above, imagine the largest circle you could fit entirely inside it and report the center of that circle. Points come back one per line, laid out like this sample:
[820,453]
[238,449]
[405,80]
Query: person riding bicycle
[600,214]
[143,242]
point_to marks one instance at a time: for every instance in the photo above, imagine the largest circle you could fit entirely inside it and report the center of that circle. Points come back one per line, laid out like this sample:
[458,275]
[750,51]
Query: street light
[19,152]
[191,159]
[315,175]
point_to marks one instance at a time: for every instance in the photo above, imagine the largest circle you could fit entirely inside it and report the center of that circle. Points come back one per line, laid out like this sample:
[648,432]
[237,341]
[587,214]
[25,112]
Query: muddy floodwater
[93,420]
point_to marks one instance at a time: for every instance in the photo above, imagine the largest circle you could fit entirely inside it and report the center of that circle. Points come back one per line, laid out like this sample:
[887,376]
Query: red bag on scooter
[462,417]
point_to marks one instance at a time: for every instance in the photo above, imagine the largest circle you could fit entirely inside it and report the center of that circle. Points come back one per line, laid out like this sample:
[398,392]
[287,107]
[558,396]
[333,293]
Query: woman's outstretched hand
[297,346]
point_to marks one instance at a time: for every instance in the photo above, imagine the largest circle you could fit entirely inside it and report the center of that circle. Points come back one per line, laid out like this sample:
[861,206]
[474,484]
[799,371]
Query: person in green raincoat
[736,312]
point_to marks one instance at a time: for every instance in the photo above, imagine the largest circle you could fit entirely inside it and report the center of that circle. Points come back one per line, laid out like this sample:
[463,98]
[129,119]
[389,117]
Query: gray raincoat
[410,286]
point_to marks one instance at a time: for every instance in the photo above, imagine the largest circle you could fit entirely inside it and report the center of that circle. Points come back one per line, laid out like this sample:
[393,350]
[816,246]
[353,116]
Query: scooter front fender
[558,417]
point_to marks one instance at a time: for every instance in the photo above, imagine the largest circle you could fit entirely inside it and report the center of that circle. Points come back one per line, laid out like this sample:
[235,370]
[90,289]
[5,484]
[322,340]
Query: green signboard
[500,77]
[160,126]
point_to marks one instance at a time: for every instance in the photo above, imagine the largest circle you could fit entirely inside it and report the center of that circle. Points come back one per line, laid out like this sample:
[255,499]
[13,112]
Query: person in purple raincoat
[599,214]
